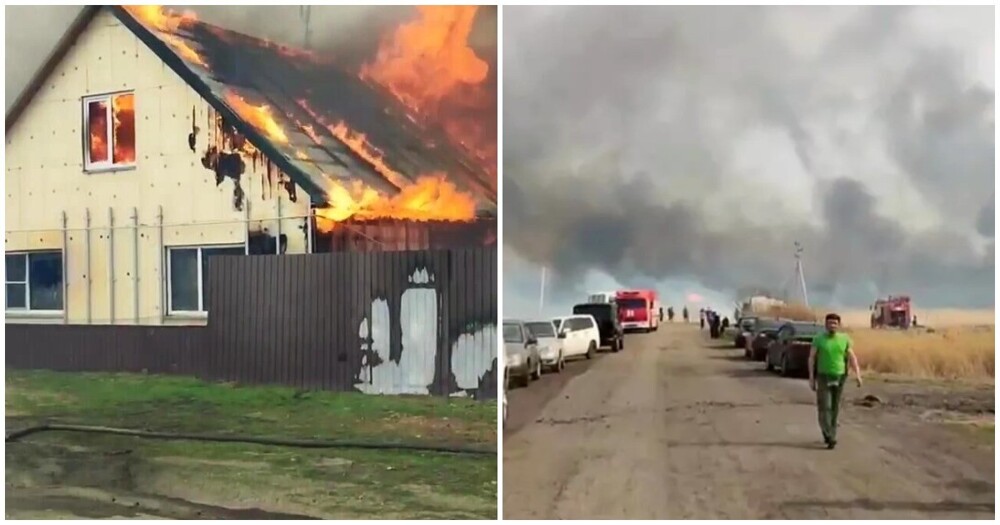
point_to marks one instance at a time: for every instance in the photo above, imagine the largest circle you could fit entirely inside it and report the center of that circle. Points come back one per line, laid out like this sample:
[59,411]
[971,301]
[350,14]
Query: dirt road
[673,428]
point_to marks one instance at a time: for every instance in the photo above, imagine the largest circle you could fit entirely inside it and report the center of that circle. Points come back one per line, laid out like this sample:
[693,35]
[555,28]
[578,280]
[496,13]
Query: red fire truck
[639,310]
[893,312]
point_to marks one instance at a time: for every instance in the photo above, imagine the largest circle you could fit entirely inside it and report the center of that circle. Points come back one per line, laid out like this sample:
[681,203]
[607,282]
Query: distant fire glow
[695,298]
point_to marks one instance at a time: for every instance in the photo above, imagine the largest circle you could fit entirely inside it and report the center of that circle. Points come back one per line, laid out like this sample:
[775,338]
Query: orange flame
[167,22]
[431,198]
[163,20]
[428,58]
[359,144]
[308,130]
[259,116]
[428,65]
[123,113]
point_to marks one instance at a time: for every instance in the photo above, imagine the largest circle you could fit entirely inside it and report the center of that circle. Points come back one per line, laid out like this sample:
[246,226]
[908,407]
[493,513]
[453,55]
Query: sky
[688,148]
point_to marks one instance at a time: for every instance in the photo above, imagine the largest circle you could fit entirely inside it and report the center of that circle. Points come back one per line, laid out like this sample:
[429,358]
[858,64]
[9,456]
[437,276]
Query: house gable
[168,185]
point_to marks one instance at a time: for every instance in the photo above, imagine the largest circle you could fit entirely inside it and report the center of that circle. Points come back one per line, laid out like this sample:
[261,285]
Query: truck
[601,297]
[892,312]
[639,310]
[608,326]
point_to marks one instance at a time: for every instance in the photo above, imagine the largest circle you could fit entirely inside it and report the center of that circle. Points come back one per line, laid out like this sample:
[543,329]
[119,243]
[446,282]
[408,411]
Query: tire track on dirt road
[671,428]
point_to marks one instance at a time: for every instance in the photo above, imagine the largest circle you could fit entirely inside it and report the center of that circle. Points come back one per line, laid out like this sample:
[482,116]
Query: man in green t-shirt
[829,356]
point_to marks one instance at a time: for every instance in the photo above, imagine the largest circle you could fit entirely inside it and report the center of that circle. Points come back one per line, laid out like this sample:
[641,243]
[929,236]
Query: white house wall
[45,179]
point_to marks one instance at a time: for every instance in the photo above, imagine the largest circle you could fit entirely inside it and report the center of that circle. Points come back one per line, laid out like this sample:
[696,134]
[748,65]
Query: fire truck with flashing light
[892,312]
[639,310]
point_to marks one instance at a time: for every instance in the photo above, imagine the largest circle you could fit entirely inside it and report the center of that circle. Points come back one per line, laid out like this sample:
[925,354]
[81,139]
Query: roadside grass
[329,483]
[188,405]
[960,353]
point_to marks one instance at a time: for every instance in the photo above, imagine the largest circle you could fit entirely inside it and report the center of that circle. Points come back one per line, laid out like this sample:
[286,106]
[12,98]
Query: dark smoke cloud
[350,33]
[701,143]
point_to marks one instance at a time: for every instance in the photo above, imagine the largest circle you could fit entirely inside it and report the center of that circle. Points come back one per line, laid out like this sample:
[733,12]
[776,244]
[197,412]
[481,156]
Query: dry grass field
[959,344]
[933,317]
[957,352]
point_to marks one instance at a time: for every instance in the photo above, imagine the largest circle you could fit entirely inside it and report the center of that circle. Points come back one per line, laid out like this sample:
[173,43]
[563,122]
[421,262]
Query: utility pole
[541,297]
[798,270]
[305,14]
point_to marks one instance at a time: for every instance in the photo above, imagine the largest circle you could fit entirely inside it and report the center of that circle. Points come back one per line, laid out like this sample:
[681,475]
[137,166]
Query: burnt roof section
[299,88]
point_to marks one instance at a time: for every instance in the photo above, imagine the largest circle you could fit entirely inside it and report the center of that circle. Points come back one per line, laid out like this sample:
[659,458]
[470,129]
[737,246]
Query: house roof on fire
[306,94]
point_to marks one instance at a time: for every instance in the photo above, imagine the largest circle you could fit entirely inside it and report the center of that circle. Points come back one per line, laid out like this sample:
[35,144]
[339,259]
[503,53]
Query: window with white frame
[109,131]
[34,281]
[187,277]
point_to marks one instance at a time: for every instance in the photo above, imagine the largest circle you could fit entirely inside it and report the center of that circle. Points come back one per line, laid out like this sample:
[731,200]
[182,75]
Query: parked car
[789,352]
[610,328]
[580,335]
[506,380]
[550,344]
[521,353]
[744,327]
[757,341]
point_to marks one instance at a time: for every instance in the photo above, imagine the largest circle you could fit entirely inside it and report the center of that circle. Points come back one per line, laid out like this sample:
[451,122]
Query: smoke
[351,34]
[699,144]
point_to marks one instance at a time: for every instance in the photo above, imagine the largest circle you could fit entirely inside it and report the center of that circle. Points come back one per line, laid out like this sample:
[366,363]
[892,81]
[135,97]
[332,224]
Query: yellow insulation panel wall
[46,178]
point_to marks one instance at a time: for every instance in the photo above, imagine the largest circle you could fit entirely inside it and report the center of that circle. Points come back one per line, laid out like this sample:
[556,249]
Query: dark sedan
[789,352]
[744,328]
[756,342]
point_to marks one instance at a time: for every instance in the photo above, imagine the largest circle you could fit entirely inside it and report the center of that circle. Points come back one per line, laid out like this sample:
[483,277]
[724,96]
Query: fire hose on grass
[281,442]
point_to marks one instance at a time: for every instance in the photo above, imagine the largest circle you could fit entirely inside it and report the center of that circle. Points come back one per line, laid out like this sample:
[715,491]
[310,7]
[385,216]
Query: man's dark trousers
[829,390]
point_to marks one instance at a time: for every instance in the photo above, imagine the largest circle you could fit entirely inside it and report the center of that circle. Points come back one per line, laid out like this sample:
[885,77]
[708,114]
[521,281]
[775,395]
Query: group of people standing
[670,314]
[716,324]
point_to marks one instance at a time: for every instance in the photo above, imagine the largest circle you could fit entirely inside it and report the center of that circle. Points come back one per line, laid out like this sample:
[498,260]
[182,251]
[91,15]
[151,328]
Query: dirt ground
[678,427]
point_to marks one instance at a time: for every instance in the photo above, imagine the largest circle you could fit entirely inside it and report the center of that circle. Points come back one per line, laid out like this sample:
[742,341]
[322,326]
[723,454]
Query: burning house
[195,140]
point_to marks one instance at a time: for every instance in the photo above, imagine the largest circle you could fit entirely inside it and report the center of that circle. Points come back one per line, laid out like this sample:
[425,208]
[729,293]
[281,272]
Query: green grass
[331,483]
[189,405]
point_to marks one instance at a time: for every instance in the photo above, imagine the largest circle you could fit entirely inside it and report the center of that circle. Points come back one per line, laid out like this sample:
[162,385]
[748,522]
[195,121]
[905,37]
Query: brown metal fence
[107,348]
[415,322]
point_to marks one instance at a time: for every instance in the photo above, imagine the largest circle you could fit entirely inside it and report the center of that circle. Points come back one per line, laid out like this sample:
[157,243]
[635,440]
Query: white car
[550,345]
[505,384]
[579,334]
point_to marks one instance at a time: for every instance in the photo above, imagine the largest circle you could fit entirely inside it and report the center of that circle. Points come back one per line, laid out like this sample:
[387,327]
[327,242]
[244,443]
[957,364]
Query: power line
[800,273]
[305,13]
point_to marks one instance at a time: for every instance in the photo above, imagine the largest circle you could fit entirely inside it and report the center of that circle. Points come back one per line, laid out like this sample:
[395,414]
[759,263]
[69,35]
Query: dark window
[541,329]
[34,281]
[512,333]
[585,323]
[188,282]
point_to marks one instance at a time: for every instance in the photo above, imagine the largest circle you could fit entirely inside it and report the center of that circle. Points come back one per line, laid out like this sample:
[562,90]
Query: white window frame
[201,293]
[107,165]
[27,310]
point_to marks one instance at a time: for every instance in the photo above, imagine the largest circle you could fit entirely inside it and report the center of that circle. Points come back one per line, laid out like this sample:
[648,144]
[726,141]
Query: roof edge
[316,193]
[65,43]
